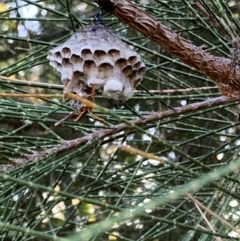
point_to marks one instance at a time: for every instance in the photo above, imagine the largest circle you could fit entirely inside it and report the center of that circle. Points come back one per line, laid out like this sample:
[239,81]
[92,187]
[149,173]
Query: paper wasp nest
[95,56]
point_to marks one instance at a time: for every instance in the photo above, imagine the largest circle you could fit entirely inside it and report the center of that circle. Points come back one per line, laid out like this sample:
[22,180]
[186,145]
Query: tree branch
[101,134]
[219,69]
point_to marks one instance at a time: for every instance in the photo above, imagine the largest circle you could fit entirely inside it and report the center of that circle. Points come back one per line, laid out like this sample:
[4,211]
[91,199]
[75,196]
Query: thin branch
[177,90]
[214,20]
[18,95]
[55,86]
[219,69]
[101,134]
[212,213]
[208,222]
[136,151]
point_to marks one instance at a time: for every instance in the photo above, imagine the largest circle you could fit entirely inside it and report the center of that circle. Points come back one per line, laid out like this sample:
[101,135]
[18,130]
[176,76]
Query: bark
[219,69]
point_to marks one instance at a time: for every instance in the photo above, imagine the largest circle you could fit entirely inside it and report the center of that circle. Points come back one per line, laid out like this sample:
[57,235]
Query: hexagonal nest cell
[96,57]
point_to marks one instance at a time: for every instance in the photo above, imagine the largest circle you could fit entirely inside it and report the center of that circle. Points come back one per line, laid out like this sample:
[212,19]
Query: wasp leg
[68,85]
[91,97]
[80,115]
[98,118]
[93,90]
[63,119]
[91,94]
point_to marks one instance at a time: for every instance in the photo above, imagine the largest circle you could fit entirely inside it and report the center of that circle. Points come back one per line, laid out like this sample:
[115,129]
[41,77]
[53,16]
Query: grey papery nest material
[96,57]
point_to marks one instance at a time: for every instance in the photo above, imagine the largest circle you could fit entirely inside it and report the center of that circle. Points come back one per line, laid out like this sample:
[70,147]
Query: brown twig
[194,200]
[219,69]
[136,151]
[101,134]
